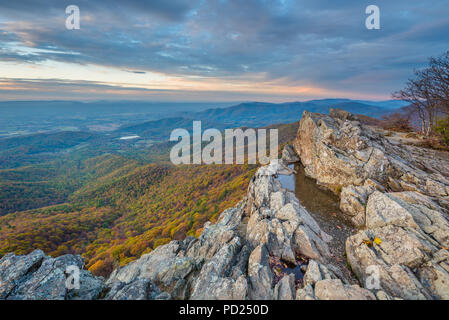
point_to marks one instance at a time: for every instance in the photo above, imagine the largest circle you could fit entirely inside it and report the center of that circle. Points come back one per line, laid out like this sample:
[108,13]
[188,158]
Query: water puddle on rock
[282,268]
[323,205]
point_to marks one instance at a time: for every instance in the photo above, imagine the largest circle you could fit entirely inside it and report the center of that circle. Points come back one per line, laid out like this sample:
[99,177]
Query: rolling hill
[159,130]
[263,114]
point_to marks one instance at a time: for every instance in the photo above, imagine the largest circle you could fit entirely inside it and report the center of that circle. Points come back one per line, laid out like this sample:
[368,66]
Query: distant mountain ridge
[30,148]
[263,113]
[250,114]
[160,129]
[20,118]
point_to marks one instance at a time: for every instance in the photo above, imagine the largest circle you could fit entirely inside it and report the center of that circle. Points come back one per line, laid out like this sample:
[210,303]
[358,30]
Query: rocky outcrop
[320,283]
[231,259]
[205,268]
[39,277]
[397,194]
[354,160]
[412,257]
[289,155]
[270,247]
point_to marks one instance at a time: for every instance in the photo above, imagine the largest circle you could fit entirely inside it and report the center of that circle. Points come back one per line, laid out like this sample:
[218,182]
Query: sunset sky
[223,50]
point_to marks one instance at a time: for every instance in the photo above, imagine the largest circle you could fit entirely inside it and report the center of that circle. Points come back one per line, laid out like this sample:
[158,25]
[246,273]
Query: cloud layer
[281,45]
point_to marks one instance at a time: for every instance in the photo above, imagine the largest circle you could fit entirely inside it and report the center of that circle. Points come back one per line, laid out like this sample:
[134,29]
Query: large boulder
[354,160]
[38,277]
[396,194]
[407,245]
[337,152]
[289,155]
[211,267]
[334,289]
[260,275]
[141,289]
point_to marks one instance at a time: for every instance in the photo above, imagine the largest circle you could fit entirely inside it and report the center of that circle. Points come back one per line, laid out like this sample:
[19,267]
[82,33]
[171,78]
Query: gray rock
[316,272]
[341,114]
[289,155]
[409,225]
[285,288]
[334,289]
[163,265]
[339,152]
[15,269]
[353,203]
[382,210]
[91,287]
[141,289]
[214,282]
[305,293]
[163,296]
[260,275]
[38,277]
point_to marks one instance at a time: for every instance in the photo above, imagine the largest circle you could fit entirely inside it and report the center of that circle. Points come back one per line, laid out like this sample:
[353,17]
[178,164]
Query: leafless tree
[438,73]
[416,93]
[428,92]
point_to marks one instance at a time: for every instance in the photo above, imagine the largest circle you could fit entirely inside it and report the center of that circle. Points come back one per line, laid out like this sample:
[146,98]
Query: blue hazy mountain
[159,130]
[262,113]
[28,117]
[39,131]
[154,120]
[254,114]
[390,104]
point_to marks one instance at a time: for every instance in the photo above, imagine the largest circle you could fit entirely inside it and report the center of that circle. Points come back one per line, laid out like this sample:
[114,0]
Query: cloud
[136,72]
[319,43]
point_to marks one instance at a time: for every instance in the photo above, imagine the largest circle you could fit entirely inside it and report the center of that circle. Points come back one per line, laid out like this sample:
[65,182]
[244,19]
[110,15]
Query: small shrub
[434,143]
[411,135]
[442,127]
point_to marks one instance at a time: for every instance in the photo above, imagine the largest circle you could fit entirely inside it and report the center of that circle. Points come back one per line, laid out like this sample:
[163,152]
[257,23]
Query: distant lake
[129,137]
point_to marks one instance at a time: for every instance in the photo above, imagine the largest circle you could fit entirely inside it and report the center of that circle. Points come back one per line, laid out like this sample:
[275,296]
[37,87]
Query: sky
[215,50]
